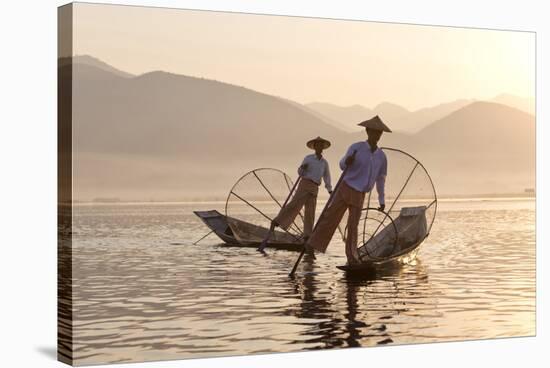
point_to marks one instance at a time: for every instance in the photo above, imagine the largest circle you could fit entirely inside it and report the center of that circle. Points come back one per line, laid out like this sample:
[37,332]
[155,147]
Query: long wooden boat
[241,233]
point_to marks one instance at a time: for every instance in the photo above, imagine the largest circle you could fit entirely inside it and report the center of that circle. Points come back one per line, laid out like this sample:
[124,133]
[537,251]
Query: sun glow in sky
[307,59]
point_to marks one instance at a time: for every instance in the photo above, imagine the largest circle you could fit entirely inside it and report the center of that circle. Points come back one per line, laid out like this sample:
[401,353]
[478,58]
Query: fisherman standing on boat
[367,165]
[314,167]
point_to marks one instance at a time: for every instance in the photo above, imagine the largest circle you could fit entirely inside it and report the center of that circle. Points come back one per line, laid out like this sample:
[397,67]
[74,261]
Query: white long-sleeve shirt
[367,169]
[316,169]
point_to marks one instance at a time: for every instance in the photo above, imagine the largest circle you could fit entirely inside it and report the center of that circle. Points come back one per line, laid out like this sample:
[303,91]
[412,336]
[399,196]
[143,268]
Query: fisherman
[367,166]
[314,167]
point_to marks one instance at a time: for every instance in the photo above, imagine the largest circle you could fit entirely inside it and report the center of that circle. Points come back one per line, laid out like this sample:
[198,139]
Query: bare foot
[262,246]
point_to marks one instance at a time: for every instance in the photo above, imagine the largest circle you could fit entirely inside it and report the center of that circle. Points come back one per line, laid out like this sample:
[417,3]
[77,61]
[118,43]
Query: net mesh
[258,196]
[410,198]
[411,204]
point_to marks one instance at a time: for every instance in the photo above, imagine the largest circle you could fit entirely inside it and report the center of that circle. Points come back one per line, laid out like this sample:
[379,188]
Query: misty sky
[306,60]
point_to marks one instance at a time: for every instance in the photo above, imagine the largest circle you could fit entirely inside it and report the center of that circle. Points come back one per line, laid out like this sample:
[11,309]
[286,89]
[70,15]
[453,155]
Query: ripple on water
[143,291]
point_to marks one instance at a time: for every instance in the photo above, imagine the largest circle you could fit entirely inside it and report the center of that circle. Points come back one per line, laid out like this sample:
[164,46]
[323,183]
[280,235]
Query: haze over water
[142,291]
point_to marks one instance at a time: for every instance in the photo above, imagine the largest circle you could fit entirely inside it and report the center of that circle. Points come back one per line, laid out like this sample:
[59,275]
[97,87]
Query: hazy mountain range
[403,120]
[164,136]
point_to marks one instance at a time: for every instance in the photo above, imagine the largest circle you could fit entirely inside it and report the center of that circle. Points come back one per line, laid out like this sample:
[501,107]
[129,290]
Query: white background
[28,181]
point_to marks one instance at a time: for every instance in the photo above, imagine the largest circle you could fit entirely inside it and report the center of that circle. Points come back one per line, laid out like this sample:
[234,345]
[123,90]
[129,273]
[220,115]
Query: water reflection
[344,317]
[64,290]
[142,291]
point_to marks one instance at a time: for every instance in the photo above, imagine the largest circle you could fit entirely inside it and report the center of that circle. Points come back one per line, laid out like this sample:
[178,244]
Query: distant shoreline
[445,198]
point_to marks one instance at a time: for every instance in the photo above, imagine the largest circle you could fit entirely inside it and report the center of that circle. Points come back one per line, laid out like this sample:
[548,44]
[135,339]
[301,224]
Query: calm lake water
[142,291]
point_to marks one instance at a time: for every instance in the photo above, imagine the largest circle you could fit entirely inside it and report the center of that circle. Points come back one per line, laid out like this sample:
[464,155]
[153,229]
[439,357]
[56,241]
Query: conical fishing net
[411,204]
[256,199]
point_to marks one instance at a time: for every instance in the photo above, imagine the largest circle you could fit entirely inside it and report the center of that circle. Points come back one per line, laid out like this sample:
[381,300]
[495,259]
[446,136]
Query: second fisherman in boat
[314,167]
[367,166]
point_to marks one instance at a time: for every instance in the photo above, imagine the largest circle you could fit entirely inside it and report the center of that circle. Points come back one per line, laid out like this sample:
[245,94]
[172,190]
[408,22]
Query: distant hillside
[416,120]
[483,130]
[397,117]
[520,103]
[323,118]
[95,62]
[170,134]
[348,116]
[162,113]
[402,120]
[389,111]
[483,147]
[92,61]
[165,136]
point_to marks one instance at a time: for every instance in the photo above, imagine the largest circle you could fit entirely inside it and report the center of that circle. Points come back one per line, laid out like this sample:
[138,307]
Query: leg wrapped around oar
[327,223]
[346,198]
[306,196]
[319,239]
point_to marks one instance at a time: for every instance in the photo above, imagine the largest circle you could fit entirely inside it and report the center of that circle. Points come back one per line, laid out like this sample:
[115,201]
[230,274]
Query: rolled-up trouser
[306,195]
[345,198]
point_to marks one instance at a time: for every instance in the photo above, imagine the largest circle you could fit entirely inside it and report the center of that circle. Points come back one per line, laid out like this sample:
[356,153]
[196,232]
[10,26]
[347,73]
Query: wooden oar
[203,237]
[291,191]
[264,243]
[291,274]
